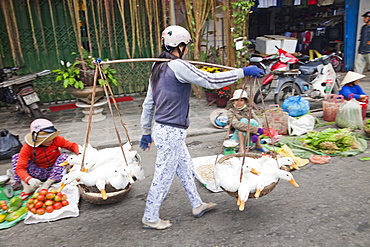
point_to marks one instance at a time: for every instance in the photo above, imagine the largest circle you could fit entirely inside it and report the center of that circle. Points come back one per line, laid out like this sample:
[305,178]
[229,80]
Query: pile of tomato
[46,201]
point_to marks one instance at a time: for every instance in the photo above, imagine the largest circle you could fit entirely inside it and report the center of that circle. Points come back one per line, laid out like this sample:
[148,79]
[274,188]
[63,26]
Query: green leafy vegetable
[330,141]
[364,158]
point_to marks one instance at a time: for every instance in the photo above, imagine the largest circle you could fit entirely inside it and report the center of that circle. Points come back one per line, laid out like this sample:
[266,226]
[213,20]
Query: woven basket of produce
[266,189]
[92,194]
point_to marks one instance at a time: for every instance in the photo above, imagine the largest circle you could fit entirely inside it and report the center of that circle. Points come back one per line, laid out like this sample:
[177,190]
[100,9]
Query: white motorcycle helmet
[173,36]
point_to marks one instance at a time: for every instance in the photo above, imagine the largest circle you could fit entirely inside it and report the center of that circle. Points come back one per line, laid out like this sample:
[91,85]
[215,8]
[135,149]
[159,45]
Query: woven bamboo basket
[267,189]
[92,194]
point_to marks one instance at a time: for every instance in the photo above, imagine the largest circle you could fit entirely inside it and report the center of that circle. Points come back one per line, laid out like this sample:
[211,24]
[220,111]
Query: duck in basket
[103,169]
[247,177]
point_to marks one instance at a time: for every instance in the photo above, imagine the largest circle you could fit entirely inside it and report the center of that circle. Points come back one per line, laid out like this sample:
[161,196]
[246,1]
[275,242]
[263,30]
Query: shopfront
[337,20]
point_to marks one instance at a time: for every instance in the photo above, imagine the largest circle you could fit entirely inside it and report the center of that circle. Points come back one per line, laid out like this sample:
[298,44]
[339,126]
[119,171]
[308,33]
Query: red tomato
[65,203]
[40,211]
[58,198]
[53,190]
[2,202]
[33,210]
[35,195]
[39,204]
[64,197]
[31,200]
[49,202]
[4,207]
[49,209]
[30,205]
[50,195]
[40,197]
[57,205]
[43,191]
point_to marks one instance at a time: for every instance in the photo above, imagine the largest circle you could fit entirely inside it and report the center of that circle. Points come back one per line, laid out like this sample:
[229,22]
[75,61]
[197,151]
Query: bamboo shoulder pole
[135,60]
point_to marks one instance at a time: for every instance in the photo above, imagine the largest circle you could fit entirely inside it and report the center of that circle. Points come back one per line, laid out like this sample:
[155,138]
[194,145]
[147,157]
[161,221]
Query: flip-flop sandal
[160,225]
[209,207]
[262,149]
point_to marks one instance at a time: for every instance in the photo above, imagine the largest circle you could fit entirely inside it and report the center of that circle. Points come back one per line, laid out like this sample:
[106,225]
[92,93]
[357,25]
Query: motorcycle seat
[307,69]
[255,59]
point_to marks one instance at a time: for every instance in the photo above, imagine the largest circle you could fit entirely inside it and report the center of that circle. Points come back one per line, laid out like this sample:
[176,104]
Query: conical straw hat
[351,76]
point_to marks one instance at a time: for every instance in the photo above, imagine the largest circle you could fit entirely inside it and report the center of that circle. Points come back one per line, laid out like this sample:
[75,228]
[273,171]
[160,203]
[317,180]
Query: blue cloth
[356,90]
[243,120]
[363,47]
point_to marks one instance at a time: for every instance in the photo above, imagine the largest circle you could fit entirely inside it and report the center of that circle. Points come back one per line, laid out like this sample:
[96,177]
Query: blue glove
[254,71]
[260,131]
[254,138]
[145,140]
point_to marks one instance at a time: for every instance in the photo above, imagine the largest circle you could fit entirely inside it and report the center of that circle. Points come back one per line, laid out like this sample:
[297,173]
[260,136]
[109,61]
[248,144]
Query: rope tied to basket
[108,92]
[245,153]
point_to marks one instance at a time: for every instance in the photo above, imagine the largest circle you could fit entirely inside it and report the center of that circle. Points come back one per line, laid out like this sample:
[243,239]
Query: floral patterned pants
[55,172]
[172,157]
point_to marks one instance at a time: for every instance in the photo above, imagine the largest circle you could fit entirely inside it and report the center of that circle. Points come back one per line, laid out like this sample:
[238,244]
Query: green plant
[70,75]
[77,74]
[241,10]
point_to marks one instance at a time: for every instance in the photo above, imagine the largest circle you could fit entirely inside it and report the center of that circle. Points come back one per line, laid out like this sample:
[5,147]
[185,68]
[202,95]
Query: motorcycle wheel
[265,89]
[336,63]
[35,111]
[286,91]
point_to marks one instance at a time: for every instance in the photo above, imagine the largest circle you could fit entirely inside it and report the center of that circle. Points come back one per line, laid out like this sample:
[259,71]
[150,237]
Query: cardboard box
[266,44]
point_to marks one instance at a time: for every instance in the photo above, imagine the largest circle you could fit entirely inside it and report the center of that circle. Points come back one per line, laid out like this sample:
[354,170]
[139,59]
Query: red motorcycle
[285,59]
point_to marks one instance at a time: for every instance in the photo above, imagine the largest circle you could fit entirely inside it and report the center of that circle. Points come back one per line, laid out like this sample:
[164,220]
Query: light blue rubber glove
[145,142]
[254,71]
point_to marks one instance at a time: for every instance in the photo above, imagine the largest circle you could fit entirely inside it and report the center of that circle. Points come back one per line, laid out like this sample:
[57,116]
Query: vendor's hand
[146,141]
[254,138]
[34,183]
[80,149]
[254,71]
[260,131]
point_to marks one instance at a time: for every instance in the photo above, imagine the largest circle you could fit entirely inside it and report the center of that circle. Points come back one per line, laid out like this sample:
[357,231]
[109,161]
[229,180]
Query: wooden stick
[135,60]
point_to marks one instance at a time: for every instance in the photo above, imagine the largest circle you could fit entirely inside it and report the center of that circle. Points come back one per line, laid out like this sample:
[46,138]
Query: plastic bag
[302,125]
[9,144]
[296,106]
[349,115]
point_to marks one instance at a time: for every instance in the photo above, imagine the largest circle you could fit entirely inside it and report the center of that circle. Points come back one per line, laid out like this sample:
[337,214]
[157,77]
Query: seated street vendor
[350,87]
[37,163]
[238,117]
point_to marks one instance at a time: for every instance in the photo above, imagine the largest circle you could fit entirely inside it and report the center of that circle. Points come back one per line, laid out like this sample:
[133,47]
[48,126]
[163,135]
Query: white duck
[118,178]
[107,154]
[97,177]
[136,170]
[227,174]
[268,177]
[248,185]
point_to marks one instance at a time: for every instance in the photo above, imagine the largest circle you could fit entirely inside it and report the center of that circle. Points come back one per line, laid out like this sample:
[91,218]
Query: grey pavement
[330,208]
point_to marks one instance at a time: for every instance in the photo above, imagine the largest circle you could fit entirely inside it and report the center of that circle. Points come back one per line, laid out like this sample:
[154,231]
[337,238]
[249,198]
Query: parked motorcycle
[18,90]
[305,72]
[305,82]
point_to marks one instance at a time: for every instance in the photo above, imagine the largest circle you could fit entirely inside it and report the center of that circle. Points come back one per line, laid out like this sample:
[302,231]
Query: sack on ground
[9,144]
[301,125]
[349,115]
